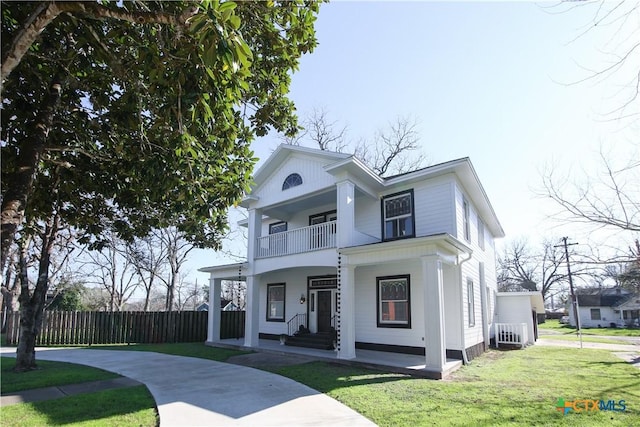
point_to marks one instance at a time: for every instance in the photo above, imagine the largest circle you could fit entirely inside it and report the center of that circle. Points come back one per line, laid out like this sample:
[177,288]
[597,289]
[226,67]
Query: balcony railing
[306,239]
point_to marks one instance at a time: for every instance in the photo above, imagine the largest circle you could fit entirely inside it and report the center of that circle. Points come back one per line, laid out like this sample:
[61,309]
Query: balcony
[306,239]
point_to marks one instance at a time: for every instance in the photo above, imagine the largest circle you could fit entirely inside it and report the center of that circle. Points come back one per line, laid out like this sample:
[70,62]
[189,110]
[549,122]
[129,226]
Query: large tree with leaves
[137,115]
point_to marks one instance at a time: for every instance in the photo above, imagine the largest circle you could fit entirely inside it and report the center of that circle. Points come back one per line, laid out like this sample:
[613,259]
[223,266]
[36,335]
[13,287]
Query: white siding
[432,205]
[313,175]
[452,315]
[472,334]
[366,313]
[368,216]
[607,316]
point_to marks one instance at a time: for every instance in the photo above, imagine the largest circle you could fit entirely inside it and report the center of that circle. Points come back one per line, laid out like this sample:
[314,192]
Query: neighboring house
[602,308]
[402,264]
[225,305]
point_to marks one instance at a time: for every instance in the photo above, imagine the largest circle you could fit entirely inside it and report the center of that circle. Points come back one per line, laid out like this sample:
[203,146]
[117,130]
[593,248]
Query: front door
[324,311]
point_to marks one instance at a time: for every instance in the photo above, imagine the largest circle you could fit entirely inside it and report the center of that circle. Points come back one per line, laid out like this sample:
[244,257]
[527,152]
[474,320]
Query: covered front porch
[395,362]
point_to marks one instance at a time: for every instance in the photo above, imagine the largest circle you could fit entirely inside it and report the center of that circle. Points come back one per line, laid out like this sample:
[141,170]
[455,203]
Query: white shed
[516,317]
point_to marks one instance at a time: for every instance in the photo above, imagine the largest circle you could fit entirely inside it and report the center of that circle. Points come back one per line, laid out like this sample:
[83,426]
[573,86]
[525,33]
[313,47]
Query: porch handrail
[305,239]
[511,333]
[293,325]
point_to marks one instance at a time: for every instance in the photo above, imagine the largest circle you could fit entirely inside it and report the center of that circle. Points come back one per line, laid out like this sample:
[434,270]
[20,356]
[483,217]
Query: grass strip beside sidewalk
[519,387]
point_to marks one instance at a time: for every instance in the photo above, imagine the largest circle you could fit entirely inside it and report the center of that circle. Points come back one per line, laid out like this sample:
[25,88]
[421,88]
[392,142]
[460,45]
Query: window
[278,240]
[471,310]
[465,209]
[480,233]
[277,227]
[397,216]
[292,180]
[595,314]
[275,302]
[394,302]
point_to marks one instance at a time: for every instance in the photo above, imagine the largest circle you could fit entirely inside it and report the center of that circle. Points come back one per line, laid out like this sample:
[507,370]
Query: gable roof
[339,163]
[608,297]
[283,151]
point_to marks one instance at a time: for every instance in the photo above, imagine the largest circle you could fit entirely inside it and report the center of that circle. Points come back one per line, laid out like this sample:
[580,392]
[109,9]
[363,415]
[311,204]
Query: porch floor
[395,362]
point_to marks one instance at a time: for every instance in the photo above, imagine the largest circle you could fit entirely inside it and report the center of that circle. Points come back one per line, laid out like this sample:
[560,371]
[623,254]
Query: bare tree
[10,289]
[177,249]
[521,266]
[148,257]
[320,130]
[235,291]
[617,23]
[393,150]
[608,198]
[110,268]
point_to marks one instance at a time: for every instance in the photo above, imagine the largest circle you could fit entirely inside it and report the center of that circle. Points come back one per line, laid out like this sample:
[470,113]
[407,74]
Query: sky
[498,82]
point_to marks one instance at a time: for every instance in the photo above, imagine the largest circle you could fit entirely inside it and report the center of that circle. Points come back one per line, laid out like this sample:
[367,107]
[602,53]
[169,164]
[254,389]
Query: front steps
[322,341]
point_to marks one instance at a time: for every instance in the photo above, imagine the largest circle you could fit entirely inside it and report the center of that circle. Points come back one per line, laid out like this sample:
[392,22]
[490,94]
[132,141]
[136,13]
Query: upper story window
[398,216]
[466,224]
[291,181]
[480,233]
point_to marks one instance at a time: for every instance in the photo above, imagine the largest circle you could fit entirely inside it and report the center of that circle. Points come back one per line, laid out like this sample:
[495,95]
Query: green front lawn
[124,406]
[48,374]
[555,325]
[133,406]
[519,387]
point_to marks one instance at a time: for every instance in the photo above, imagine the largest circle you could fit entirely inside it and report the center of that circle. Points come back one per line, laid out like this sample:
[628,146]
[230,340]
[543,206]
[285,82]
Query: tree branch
[47,12]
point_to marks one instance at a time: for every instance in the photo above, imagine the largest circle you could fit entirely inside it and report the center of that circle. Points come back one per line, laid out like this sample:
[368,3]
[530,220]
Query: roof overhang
[464,170]
[445,246]
[235,271]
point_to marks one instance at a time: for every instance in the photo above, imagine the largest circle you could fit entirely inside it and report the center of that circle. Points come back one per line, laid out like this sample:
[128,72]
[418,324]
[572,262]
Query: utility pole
[574,299]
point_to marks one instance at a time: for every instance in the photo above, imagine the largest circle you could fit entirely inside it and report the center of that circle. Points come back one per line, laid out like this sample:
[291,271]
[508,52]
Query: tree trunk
[14,201]
[32,306]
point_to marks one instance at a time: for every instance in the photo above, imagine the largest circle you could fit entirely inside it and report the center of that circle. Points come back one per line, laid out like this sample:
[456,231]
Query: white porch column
[252,311]
[434,337]
[215,289]
[346,213]
[255,231]
[347,327]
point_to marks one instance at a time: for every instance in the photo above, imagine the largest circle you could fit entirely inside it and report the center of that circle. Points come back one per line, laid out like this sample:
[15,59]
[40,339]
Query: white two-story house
[401,264]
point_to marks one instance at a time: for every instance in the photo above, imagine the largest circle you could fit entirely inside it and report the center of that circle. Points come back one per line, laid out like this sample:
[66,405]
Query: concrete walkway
[198,392]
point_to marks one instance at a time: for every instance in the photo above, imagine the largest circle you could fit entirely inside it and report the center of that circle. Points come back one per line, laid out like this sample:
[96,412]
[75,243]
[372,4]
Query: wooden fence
[232,324]
[96,327]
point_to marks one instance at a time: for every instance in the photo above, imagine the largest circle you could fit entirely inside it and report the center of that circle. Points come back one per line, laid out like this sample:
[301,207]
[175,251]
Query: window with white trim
[471,310]
[595,314]
[292,180]
[397,216]
[466,224]
[480,233]
[394,301]
[275,302]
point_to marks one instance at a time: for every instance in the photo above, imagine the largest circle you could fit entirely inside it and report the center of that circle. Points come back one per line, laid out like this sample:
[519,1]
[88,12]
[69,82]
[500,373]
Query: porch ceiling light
[303,299]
